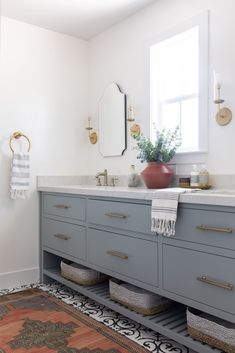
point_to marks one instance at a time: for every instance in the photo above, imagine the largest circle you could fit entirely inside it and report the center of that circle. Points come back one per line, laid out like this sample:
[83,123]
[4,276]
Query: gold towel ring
[17,135]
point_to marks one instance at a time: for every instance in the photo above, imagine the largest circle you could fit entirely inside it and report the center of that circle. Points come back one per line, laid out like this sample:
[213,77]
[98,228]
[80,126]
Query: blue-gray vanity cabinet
[123,255]
[112,235]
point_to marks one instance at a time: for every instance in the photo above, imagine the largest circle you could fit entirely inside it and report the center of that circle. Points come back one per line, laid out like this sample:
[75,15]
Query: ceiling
[80,18]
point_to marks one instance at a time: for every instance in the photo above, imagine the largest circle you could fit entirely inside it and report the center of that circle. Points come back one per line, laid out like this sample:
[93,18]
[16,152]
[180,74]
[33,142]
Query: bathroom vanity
[109,230]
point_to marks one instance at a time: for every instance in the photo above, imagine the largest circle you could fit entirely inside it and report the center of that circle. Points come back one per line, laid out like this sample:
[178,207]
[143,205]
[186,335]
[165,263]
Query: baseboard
[19,278]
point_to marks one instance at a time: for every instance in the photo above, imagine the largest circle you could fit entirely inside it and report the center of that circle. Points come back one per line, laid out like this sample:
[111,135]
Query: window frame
[202,21]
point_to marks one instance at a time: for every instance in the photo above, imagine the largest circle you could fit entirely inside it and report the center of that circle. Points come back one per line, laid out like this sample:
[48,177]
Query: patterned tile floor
[152,341]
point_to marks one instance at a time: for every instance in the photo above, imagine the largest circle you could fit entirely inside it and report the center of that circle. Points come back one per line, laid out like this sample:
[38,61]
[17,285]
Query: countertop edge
[142,194]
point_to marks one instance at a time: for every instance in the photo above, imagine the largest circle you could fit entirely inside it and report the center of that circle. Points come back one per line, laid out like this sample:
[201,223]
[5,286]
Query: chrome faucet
[105,175]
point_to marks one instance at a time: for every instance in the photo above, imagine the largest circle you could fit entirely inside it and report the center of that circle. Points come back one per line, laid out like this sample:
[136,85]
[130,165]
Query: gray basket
[81,274]
[137,299]
[211,330]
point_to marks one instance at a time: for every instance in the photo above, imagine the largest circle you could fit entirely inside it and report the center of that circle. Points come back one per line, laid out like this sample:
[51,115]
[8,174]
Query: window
[178,85]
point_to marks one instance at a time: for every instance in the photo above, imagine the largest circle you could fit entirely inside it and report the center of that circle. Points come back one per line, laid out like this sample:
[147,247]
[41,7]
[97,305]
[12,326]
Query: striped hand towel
[19,185]
[164,210]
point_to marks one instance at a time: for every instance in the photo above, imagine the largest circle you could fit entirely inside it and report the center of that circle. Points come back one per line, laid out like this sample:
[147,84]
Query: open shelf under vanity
[171,323]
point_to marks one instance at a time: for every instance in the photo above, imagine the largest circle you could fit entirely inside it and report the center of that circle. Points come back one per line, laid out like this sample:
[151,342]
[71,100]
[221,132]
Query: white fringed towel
[164,210]
[19,184]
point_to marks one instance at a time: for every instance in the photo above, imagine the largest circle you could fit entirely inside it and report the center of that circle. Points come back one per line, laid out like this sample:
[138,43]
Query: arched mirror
[112,122]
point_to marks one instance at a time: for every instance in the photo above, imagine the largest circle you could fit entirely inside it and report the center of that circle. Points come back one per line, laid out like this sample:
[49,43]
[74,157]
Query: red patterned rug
[33,321]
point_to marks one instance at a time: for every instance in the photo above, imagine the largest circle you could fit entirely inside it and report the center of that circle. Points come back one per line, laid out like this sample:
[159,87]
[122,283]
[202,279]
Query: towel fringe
[19,194]
[163,226]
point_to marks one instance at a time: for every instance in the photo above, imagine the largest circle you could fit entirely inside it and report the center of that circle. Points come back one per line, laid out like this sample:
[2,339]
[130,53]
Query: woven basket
[137,299]
[211,330]
[81,274]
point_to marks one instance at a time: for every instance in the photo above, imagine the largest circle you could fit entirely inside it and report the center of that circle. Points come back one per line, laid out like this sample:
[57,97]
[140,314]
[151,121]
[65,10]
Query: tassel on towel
[164,210]
[19,185]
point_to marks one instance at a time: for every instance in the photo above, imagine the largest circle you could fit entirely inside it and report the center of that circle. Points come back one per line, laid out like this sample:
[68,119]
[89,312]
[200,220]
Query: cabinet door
[131,257]
[201,276]
[121,215]
[64,237]
[213,228]
[65,206]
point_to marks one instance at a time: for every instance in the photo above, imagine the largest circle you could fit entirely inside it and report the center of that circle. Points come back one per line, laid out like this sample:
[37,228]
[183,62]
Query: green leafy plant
[162,150]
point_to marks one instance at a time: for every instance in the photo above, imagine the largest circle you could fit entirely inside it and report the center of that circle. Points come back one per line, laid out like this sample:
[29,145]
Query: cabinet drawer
[204,277]
[132,257]
[64,237]
[120,215]
[65,206]
[214,228]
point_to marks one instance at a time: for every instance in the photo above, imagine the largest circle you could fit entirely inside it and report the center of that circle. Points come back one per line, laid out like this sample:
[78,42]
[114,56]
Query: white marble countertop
[220,197]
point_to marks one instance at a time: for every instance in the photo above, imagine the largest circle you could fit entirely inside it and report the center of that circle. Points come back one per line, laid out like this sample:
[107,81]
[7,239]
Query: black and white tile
[152,341]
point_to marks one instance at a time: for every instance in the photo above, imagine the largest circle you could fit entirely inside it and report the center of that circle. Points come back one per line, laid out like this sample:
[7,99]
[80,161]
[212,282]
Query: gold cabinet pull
[214,229]
[223,285]
[61,236]
[62,206]
[117,254]
[116,215]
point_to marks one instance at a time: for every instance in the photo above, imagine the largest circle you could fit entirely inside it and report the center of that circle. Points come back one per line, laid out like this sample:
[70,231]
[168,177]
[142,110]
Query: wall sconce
[135,129]
[130,115]
[92,135]
[224,115]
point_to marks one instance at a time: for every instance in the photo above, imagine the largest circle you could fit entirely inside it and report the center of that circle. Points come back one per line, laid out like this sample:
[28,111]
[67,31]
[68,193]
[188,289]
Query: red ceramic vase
[157,175]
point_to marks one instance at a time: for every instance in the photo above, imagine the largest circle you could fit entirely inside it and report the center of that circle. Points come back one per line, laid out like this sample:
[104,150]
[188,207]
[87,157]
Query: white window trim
[202,21]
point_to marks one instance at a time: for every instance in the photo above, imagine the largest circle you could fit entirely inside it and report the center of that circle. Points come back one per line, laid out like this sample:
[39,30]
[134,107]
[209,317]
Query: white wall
[119,55]
[43,92]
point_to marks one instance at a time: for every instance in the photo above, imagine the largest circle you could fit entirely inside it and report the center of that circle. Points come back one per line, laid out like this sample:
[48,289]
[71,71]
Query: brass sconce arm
[92,135]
